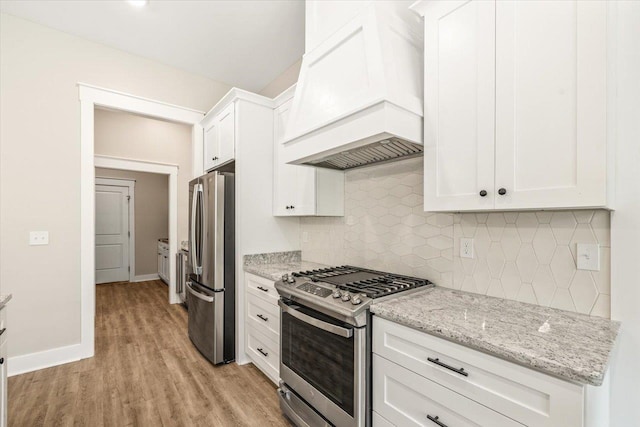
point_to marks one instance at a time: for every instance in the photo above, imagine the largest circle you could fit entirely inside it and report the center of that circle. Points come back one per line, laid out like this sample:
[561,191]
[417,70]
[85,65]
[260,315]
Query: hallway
[145,372]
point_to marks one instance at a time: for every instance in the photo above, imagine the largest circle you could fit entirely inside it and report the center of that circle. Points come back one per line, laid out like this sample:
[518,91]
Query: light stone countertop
[572,346]
[273,265]
[4,299]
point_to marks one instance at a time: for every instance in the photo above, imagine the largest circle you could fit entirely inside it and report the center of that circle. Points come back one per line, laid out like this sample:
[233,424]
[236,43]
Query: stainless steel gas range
[325,342]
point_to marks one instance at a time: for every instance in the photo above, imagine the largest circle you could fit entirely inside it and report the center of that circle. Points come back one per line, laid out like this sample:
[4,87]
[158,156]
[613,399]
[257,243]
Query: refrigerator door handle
[197,191]
[197,294]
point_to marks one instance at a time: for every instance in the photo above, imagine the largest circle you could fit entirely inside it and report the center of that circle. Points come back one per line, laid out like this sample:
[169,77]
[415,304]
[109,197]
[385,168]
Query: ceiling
[242,43]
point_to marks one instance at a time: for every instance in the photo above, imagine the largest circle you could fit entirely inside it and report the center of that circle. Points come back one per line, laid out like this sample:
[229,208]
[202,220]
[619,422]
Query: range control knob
[356,300]
[346,297]
[291,279]
[337,294]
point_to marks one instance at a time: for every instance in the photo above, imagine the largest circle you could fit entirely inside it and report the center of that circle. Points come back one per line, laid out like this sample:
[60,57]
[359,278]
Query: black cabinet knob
[502,191]
[483,193]
[1,360]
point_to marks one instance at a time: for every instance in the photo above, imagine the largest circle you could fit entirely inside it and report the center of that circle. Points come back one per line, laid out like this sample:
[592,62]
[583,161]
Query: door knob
[502,191]
[483,193]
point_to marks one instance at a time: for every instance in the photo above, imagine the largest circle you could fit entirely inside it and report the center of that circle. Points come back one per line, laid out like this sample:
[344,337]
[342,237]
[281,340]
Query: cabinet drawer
[261,287]
[406,399]
[380,421]
[525,395]
[264,316]
[264,353]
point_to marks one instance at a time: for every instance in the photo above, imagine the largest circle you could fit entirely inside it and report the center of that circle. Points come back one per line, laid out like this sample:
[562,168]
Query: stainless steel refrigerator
[211,263]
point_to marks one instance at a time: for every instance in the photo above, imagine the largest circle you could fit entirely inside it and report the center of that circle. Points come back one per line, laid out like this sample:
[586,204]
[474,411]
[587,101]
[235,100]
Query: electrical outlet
[588,256]
[466,248]
[305,237]
[37,238]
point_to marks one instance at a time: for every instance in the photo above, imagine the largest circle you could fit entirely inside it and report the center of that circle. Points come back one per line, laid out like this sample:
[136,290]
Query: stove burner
[374,284]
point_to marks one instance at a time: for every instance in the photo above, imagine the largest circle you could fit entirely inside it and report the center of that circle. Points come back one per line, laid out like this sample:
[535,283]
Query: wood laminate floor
[145,372]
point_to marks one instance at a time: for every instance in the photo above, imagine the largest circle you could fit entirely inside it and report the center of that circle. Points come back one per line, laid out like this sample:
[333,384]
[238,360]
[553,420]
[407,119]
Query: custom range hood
[358,100]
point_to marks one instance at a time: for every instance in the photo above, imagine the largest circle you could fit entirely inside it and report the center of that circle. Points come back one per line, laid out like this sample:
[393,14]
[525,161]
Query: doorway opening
[91,99]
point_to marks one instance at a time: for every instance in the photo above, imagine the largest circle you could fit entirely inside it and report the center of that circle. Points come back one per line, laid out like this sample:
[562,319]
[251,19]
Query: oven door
[323,360]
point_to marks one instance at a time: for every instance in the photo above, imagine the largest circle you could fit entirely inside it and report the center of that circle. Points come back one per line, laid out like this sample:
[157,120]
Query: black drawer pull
[262,317]
[437,361]
[1,360]
[2,330]
[263,289]
[435,420]
[264,353]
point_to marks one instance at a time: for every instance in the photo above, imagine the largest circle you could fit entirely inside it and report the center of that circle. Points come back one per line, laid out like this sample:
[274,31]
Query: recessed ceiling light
[139,3]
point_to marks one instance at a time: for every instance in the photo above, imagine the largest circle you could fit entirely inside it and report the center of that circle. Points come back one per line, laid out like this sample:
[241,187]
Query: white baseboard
[44,359]
[146,277]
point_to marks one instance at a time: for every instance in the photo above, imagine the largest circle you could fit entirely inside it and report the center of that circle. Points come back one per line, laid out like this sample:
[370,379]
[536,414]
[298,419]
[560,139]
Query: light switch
[588,256]
[466,248]
[37,238]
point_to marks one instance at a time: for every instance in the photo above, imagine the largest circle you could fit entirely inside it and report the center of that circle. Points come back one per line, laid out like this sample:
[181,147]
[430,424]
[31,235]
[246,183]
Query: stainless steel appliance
[211,262]
[182,275]
[325,342]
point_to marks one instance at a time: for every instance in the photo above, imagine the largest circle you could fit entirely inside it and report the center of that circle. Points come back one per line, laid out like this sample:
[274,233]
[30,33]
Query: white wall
[40,165]
[285,80]
[625,221]
[524,256]
[130,136]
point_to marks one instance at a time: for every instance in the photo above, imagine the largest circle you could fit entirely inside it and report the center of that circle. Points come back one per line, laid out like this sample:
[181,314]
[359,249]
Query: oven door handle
[334,329]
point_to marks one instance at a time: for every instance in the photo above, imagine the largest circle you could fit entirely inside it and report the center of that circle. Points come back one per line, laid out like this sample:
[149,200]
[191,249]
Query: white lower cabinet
[263,325]
[407,399]
[163,261]
[417,376]
[3,367]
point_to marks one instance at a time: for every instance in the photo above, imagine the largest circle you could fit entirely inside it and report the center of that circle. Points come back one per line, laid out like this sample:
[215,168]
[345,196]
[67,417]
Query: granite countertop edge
[592,375]
[273,265]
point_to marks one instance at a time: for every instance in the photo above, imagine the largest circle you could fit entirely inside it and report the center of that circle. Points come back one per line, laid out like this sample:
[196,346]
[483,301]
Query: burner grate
[374,284]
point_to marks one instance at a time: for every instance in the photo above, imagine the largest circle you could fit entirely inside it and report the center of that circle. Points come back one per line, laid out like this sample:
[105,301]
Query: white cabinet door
[226,134]
[220,138]
[306,190]
[285,175]
[3,385]
[459,105]
[211,145]
[160,263]
[550,104]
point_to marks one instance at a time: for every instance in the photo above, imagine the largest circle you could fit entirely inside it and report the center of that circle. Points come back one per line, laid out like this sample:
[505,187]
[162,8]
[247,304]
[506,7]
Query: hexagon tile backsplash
[526,256]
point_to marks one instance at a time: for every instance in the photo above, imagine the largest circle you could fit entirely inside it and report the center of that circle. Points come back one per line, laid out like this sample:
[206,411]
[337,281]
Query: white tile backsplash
[526,256]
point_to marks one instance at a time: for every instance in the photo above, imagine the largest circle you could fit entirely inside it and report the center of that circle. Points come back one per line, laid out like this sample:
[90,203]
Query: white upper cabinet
[459,65]
[515,105]
[301,190]
[219,137]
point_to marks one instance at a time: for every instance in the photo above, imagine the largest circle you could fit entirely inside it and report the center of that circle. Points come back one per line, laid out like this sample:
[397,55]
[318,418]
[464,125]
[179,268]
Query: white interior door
[112,233]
